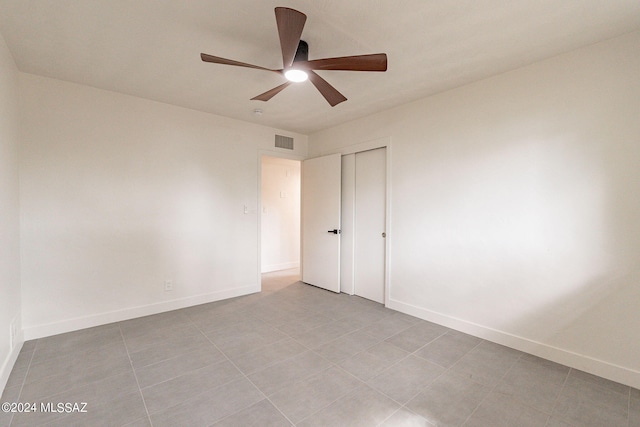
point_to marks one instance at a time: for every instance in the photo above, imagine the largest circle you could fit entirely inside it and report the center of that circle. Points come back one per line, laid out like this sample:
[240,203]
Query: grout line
[336,399]
[243,374]
[555,401]
[24,380]
[307,302]
[403,405]
[492,388]
[462,357]
[417,393]
[135,375]
[445,370]
[450,370]
[70,387]
[365,383]
[404,408]
[333,365]
[170,359]
[629,408]
[392,414]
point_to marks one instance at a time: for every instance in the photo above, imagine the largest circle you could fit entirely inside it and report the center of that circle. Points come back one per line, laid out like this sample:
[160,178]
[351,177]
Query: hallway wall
[280,231]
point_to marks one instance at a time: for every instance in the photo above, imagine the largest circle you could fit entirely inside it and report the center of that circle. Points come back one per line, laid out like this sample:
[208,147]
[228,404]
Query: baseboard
[45,330]
[588,364]
[8,363]
[278,267]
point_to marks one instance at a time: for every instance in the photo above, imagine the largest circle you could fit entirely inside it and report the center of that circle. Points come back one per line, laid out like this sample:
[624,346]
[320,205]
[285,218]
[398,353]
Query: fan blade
[270,93]
[218,60]
[374,62]
[290,24]
[330,93]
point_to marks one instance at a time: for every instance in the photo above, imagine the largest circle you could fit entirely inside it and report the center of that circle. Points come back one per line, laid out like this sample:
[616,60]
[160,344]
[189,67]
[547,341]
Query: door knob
[384,234]
[334,231]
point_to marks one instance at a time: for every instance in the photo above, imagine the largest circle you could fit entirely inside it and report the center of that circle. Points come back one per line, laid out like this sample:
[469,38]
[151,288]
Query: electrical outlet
[13,332]
[168,285]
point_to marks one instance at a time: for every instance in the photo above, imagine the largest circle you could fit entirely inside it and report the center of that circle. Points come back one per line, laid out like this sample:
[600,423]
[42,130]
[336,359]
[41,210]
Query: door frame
[279,155]
[384,142]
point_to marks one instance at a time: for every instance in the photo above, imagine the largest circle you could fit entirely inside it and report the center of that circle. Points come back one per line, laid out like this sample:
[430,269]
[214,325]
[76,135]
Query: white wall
[120,193]
[9,212]
[280,232]
[515,204]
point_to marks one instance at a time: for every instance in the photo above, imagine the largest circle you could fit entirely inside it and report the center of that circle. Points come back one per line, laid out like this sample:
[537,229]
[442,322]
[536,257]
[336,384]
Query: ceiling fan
[295,59]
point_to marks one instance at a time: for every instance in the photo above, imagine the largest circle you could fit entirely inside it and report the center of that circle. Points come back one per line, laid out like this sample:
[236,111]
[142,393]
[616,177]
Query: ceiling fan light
[294,75]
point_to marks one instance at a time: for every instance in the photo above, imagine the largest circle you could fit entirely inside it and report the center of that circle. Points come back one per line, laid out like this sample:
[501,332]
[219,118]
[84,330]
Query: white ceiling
[151,48]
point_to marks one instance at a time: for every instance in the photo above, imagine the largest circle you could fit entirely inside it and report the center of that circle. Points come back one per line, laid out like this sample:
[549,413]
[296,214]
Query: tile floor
[299,355]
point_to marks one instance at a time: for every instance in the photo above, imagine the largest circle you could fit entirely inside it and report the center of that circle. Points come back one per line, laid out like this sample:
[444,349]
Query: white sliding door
[321,192]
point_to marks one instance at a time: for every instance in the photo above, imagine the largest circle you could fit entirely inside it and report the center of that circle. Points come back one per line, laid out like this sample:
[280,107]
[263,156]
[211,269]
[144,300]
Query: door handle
[334,231]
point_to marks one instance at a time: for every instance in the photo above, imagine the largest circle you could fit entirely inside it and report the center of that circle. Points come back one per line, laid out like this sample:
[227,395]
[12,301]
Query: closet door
[370,220]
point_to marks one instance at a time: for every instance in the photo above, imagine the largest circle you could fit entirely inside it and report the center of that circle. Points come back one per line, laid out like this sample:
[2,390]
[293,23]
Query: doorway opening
[279,222]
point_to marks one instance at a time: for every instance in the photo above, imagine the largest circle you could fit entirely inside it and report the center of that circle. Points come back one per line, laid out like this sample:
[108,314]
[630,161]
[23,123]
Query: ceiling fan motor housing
[302,53]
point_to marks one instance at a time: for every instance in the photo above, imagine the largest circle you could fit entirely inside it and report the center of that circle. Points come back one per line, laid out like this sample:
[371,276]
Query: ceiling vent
[284,142]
